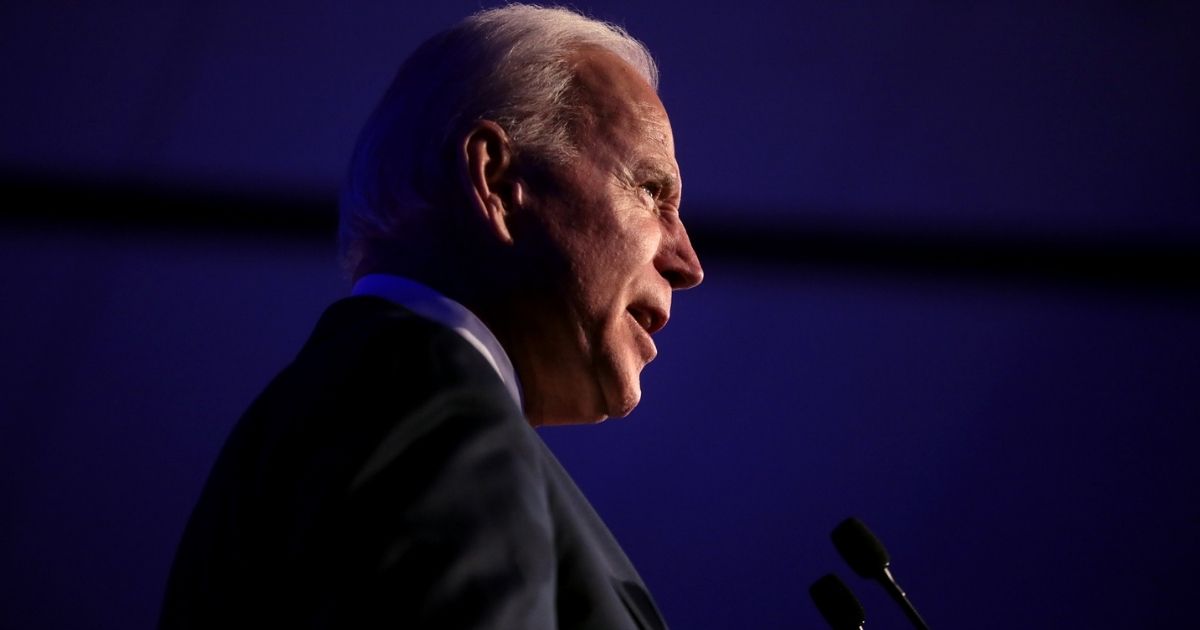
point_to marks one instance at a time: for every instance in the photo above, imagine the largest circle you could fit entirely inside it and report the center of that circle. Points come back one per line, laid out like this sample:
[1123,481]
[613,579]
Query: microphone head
[860,548]
[837,604]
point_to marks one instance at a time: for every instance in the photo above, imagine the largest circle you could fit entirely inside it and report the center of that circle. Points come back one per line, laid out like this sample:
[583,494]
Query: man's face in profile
[605,234]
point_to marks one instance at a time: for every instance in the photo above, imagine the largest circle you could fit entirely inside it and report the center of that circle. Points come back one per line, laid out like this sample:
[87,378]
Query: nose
[677,261]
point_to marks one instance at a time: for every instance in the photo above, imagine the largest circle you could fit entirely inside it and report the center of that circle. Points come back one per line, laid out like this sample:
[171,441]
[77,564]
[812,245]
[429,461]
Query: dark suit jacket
[387,479]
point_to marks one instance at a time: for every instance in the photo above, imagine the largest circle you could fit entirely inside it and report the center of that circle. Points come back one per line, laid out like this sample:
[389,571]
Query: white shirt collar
[430,304]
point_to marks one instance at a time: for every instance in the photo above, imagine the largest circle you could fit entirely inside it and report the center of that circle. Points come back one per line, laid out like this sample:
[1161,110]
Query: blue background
[1021,437]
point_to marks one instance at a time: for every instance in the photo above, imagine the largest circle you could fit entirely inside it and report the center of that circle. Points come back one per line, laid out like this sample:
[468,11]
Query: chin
[610,387]
[563,419]
[608,402]
[625,405]
[592,410]
[623,394]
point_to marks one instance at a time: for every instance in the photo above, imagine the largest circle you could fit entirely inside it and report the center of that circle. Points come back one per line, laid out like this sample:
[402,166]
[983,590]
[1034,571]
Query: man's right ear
[488,175]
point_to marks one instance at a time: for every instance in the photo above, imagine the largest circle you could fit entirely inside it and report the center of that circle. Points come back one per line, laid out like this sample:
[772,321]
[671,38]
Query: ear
[488,177]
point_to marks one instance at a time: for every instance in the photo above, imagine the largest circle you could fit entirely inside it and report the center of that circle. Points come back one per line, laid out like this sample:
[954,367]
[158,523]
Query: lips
[649,317]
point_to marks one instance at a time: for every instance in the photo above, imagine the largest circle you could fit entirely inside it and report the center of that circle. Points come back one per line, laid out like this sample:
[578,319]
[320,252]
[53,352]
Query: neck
[465,274]
[481,280]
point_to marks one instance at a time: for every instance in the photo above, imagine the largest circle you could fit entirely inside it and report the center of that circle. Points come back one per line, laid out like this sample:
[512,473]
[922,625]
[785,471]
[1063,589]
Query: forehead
[618,104]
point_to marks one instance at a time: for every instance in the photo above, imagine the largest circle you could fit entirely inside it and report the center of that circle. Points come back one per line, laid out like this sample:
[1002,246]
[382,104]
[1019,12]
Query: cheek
[610,258]
[634,243]
[621,264]
[641,248]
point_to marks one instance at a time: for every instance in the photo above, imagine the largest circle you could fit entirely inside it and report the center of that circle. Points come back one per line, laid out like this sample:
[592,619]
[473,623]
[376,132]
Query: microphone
[837,604]
[866,555]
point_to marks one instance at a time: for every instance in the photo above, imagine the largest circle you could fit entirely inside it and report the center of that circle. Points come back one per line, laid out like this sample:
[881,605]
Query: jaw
[561,389]
[618,369]
[603,394]
[605,382]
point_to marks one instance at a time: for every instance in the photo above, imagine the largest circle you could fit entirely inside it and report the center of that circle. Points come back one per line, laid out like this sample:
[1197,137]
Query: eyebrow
[649,171]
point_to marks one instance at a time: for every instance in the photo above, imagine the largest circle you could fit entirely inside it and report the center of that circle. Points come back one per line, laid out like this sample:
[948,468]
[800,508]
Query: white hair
[510,65]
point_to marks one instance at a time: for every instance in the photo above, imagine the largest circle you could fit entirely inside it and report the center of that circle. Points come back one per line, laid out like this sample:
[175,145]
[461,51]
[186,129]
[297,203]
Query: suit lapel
[637,601]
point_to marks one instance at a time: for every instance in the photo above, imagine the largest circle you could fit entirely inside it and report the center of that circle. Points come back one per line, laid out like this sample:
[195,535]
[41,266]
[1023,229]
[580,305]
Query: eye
[651,189]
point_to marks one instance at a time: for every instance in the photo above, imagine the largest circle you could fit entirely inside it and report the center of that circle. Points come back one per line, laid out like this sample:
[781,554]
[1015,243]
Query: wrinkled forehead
[617,101]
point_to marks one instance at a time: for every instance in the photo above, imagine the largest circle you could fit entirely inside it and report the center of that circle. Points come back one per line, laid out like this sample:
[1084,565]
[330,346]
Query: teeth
[642,319]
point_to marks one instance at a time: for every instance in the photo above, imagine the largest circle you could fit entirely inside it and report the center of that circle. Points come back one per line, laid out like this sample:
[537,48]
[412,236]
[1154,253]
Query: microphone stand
[893,589]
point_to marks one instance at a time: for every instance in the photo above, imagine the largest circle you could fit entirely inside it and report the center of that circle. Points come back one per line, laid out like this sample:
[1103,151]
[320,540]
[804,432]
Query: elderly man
[511,223]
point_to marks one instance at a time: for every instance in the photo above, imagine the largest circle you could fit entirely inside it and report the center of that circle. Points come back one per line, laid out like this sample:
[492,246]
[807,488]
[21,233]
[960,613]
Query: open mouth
[651,320]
